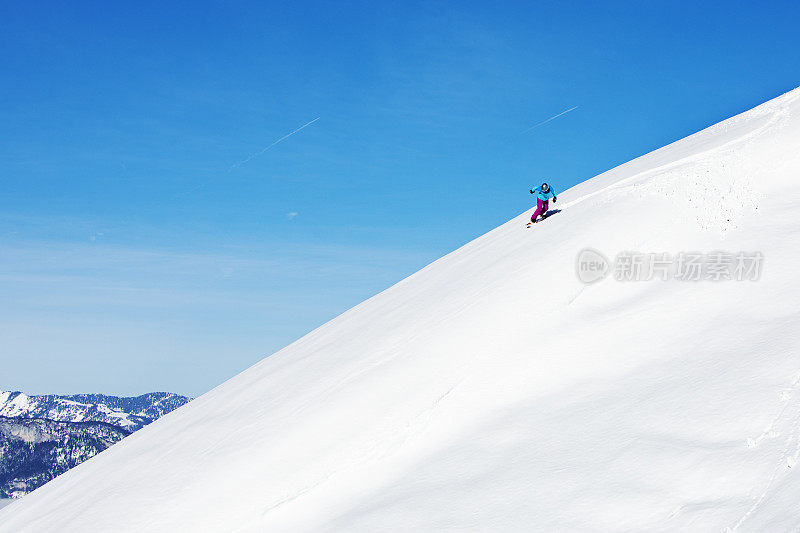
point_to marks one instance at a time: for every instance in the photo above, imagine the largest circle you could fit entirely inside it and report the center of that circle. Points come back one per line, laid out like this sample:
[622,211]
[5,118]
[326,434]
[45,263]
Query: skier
[543,195]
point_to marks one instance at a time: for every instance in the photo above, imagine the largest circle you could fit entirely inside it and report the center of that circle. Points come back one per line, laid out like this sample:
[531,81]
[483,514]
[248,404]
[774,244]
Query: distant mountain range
[44,436]
[129,413]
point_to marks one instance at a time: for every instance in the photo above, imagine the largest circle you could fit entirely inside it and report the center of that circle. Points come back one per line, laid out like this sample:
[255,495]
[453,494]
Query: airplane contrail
[549,119]
[242,162]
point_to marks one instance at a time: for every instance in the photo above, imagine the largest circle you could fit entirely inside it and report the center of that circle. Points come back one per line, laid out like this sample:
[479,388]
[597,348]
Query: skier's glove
[555,199]
[531,191]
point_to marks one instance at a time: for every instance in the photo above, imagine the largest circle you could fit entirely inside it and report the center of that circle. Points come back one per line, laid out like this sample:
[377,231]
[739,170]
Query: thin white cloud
[256,154]
[76,304]
[291,215]
[549,119]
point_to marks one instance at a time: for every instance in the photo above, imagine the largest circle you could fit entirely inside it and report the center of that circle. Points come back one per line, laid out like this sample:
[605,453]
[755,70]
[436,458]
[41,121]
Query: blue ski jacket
[544,196]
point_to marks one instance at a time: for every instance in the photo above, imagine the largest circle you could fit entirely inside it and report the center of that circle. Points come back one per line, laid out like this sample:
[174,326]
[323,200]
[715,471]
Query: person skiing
[543,195]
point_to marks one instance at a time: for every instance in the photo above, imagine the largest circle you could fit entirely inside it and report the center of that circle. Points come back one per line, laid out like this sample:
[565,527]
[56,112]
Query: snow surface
[492,391]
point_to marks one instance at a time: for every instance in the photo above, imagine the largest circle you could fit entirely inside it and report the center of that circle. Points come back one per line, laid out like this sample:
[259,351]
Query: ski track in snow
[790,452]
[712,154]
[653,172]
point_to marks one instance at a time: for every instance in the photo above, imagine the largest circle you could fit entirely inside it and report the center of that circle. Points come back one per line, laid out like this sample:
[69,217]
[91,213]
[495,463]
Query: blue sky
[136,255]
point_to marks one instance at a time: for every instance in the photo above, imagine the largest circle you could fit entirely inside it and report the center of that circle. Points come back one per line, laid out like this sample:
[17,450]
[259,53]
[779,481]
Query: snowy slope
[492,391]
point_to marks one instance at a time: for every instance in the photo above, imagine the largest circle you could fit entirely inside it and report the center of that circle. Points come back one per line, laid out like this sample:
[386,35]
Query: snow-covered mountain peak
[129,413]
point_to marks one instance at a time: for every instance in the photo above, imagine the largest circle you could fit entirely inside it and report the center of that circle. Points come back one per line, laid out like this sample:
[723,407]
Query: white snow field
[492,391]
